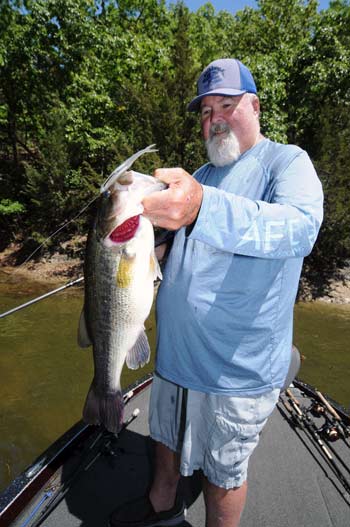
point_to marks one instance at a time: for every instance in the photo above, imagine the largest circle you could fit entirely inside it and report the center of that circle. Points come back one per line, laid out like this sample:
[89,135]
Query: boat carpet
[289,485]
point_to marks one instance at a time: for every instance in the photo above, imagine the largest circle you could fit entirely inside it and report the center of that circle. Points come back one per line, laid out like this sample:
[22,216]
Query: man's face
[228,120]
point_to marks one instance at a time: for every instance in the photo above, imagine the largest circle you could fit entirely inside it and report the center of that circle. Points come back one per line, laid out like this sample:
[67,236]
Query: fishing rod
[287,411]
[331,429]
[334,426]
[123,167]
[164,236]
[46,295]
[308,425]
[325,434]
[342,428]
[328,431]
[103,444]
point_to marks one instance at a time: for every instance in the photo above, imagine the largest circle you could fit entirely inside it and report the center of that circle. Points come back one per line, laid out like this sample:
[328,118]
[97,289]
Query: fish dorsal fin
[84,340]
[140,353]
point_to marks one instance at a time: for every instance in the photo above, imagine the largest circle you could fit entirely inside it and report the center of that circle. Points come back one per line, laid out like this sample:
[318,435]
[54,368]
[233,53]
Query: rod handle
[328,406]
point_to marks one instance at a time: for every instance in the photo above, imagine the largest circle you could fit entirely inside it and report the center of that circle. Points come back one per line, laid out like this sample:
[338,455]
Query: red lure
[126,230]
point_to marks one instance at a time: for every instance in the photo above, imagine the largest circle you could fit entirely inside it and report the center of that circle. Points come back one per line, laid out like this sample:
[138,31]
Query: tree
[85,83]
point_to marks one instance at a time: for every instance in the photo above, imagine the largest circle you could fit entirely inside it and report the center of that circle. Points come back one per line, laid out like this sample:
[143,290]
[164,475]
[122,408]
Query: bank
[67,264]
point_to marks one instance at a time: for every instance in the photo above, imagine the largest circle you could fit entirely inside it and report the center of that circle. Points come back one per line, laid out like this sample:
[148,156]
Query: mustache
[218,128]
[222,150]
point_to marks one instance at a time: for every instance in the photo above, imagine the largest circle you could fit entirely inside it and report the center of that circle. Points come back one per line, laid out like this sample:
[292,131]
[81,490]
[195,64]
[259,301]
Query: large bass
[120,269]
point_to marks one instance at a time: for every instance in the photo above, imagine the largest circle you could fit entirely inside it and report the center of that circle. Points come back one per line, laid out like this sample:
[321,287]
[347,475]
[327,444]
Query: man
[244,223]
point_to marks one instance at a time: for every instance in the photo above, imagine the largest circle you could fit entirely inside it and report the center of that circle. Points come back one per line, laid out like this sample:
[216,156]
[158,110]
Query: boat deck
[289,483]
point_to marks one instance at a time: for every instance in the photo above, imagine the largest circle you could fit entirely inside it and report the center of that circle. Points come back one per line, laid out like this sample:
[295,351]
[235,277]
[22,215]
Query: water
[45,375]
[322,333]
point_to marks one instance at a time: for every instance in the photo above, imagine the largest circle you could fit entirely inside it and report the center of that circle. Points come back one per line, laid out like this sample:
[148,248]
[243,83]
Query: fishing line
[107,183]
[57,231]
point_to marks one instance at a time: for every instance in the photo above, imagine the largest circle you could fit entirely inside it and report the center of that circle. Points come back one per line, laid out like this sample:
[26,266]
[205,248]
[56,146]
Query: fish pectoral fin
[155,267]
[84,340]
[140,353]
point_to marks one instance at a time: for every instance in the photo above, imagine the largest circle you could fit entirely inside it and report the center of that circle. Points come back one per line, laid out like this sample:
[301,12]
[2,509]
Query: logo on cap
[212,76]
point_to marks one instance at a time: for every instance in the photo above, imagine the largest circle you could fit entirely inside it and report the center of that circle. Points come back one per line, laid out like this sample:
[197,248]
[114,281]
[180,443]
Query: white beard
[222,150]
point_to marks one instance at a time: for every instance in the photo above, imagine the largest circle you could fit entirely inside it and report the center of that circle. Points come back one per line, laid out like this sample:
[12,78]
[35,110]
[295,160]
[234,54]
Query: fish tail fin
[140,353]
[106,410]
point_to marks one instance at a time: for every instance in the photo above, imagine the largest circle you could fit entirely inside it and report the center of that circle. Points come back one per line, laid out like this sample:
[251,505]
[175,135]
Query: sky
[235,5]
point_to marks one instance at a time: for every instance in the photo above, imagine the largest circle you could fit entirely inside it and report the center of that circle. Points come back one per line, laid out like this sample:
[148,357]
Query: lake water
[45,375]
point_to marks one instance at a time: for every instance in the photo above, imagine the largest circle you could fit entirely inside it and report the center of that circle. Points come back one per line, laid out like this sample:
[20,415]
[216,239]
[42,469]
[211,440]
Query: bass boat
[299,475]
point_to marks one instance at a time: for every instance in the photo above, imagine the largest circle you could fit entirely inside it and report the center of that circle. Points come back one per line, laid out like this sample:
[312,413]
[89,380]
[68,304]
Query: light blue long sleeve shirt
[225,306]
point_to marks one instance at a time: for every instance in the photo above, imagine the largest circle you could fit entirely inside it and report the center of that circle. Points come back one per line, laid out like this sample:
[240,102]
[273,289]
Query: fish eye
[106,193]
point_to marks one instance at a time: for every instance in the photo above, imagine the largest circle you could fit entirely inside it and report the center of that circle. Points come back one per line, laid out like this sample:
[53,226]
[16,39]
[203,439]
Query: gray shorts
[214,433]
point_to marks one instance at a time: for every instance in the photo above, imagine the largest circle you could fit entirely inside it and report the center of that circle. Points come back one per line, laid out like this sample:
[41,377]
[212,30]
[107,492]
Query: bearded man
[244,222]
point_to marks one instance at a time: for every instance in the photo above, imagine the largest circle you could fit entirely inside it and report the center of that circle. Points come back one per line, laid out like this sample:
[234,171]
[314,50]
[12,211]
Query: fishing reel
[331,429]
[317,409]
[329,432]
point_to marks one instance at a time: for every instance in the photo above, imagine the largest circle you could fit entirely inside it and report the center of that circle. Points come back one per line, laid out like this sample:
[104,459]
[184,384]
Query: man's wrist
[199,199]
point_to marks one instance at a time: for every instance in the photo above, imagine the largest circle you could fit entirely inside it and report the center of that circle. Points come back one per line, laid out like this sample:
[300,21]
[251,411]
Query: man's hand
[179,204]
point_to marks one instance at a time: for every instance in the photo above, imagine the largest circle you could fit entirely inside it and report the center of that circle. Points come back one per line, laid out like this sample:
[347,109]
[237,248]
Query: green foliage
[85,83]
[8,207]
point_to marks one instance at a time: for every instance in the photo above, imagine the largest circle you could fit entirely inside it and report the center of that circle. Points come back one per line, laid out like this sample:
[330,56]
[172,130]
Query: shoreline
[59,269]
[338,294]
[48,272]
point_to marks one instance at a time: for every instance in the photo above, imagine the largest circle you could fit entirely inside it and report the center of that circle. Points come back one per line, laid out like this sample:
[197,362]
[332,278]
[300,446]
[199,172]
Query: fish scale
[119,288]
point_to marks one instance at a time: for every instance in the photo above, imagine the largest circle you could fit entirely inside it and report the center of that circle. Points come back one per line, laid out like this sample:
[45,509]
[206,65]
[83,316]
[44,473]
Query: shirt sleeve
[285,226]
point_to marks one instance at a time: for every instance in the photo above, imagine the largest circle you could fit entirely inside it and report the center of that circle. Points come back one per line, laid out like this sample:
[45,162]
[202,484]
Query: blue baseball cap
[223,77]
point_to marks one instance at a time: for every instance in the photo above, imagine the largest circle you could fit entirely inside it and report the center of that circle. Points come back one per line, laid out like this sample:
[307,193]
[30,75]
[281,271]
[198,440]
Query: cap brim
[194,105]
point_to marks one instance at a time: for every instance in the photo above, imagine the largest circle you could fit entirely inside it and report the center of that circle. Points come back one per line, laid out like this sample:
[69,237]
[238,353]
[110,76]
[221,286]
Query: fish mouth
[124,232]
